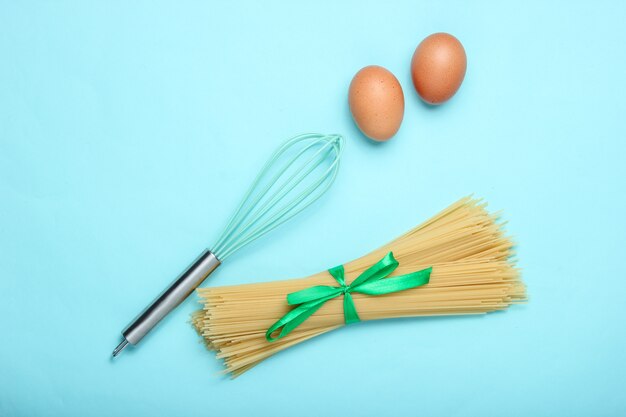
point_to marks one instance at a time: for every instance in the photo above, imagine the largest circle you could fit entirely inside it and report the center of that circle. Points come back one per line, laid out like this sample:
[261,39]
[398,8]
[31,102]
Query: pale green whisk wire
[251,220]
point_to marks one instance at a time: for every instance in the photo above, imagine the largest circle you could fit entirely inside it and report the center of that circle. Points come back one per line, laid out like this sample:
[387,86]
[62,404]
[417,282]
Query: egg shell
[376,102]
[438,67]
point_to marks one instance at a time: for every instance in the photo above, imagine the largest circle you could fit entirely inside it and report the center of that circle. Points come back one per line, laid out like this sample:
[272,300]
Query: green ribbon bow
[370,282]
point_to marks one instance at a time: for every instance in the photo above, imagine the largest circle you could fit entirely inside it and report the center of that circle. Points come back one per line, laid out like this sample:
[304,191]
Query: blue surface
[129,132]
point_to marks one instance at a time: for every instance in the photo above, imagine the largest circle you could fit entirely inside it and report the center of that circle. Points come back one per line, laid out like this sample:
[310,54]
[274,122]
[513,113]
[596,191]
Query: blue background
[129,132]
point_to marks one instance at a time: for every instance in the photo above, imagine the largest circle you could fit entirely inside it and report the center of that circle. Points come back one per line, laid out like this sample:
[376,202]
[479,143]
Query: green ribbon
[370,282]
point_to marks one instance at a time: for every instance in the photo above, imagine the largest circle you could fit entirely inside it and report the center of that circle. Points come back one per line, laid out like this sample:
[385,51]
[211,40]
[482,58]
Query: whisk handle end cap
[120,347]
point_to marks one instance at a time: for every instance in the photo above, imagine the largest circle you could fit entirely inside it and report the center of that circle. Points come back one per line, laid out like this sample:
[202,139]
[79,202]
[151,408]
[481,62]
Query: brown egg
[438,67]
[376,102]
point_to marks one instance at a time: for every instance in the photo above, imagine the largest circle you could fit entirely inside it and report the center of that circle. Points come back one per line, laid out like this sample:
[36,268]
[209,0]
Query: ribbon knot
[370,282]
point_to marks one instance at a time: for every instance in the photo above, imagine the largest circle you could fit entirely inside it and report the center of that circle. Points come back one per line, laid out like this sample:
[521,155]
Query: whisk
[296,175]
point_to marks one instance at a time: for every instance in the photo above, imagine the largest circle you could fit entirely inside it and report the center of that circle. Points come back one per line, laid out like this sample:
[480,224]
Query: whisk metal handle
[169,299]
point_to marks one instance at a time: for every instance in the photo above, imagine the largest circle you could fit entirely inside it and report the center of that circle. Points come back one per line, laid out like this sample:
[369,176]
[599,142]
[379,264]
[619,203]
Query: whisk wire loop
[285,186]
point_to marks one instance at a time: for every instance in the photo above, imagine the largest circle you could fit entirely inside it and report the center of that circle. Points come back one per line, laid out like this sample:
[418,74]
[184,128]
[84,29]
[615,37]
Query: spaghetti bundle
[473,272]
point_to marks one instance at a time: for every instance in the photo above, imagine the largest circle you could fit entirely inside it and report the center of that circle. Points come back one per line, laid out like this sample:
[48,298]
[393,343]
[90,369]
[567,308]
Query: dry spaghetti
[473,272]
